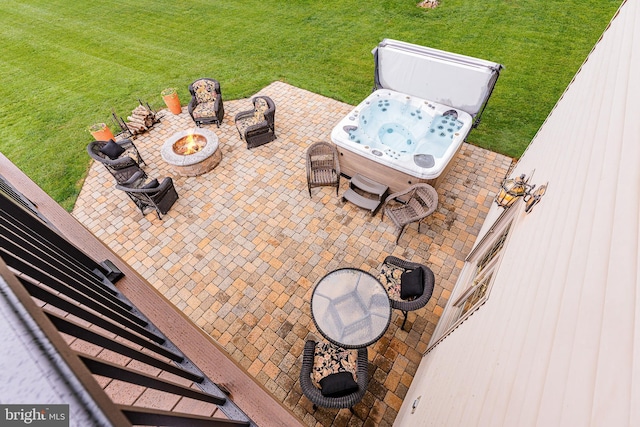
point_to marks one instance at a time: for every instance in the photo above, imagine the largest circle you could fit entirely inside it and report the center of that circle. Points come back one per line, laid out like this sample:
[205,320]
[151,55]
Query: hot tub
[425,103]
[408,134]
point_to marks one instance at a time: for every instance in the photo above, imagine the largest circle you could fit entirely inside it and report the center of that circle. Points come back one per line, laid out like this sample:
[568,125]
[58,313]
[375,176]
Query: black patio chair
[392,277]
[315,394]
[115,156]
[257,126]
[206,104]
[159,196]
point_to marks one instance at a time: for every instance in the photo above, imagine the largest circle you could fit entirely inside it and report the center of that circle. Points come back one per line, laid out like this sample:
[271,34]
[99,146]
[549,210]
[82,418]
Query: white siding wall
[558,341]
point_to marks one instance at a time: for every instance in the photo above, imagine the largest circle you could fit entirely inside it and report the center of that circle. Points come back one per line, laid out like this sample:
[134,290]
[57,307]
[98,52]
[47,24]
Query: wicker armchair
[257,126]
[206,105]
[122,167]
[159,196]
[323,168]
[315,395]
[390,273]
[422,202]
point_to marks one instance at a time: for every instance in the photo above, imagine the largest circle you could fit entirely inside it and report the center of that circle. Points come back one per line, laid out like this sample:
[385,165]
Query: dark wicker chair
[323,168]
[123,167]
[206,105]
[158,196]
[314,394]
[257,126]
[422,202]
[391,270]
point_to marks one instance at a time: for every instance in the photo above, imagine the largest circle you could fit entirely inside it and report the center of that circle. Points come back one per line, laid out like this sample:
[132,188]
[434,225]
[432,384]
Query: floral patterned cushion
[330,359]
[257,117]
[204,91]
[390,279]
[244,123]
[261,105]
[204,110]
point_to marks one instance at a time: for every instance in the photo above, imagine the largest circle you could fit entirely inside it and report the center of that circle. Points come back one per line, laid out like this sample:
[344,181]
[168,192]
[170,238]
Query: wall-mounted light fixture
[512,189]
[532,199]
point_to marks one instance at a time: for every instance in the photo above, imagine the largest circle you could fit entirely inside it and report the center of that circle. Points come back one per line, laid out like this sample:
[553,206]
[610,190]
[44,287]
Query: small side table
[350,308]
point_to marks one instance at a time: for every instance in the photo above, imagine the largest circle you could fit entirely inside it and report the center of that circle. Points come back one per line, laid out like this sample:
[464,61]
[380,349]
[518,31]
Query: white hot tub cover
[459,81]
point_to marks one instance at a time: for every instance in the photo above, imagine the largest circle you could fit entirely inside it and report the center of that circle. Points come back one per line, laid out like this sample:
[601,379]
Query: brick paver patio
[242,248]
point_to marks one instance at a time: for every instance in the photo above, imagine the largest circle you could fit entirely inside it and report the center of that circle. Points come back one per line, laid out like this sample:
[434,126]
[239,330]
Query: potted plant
[170,96]
[101,131]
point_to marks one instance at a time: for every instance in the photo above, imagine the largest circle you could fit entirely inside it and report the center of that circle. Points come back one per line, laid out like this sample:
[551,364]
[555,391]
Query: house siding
[556,343]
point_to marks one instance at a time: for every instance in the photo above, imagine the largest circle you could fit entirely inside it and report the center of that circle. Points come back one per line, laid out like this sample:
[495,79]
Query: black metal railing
[75,294]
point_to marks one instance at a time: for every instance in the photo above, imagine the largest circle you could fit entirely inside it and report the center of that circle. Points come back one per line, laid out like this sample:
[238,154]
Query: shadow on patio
[242,248]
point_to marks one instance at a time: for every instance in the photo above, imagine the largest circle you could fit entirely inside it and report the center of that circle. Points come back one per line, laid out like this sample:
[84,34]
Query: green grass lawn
[65,64]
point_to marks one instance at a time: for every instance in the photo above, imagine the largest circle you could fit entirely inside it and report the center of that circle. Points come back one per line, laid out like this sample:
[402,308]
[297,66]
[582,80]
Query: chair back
[204,90]
[94,148]
[424,200]
[122,168]
[322,155]
[166,195]
[265,106]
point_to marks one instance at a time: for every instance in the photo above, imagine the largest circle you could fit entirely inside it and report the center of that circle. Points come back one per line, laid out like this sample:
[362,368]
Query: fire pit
[192,152]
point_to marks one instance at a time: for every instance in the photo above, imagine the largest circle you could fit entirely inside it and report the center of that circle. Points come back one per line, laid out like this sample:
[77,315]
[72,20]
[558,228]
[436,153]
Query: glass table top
[350,308]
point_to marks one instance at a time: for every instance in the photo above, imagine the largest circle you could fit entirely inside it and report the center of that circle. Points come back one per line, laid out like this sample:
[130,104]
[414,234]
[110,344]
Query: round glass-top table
[350,308]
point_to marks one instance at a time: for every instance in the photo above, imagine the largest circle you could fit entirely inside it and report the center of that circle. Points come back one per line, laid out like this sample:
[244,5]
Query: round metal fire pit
[192,152]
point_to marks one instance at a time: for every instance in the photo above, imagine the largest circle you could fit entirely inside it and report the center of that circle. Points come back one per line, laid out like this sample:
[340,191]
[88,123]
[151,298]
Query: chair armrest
[312,392]
[192,104]
[134,178]
[397,262]
[244,114]
[166,183]
[400,193]
[363,368]
[119,163]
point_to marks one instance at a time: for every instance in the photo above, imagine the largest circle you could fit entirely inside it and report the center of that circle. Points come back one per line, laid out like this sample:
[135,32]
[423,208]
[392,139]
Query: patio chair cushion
[244,123]
[411,284]
[112,150]
[261,106]
[390,277]
[204,91]
[330,359]
[338,384]
[206,109]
